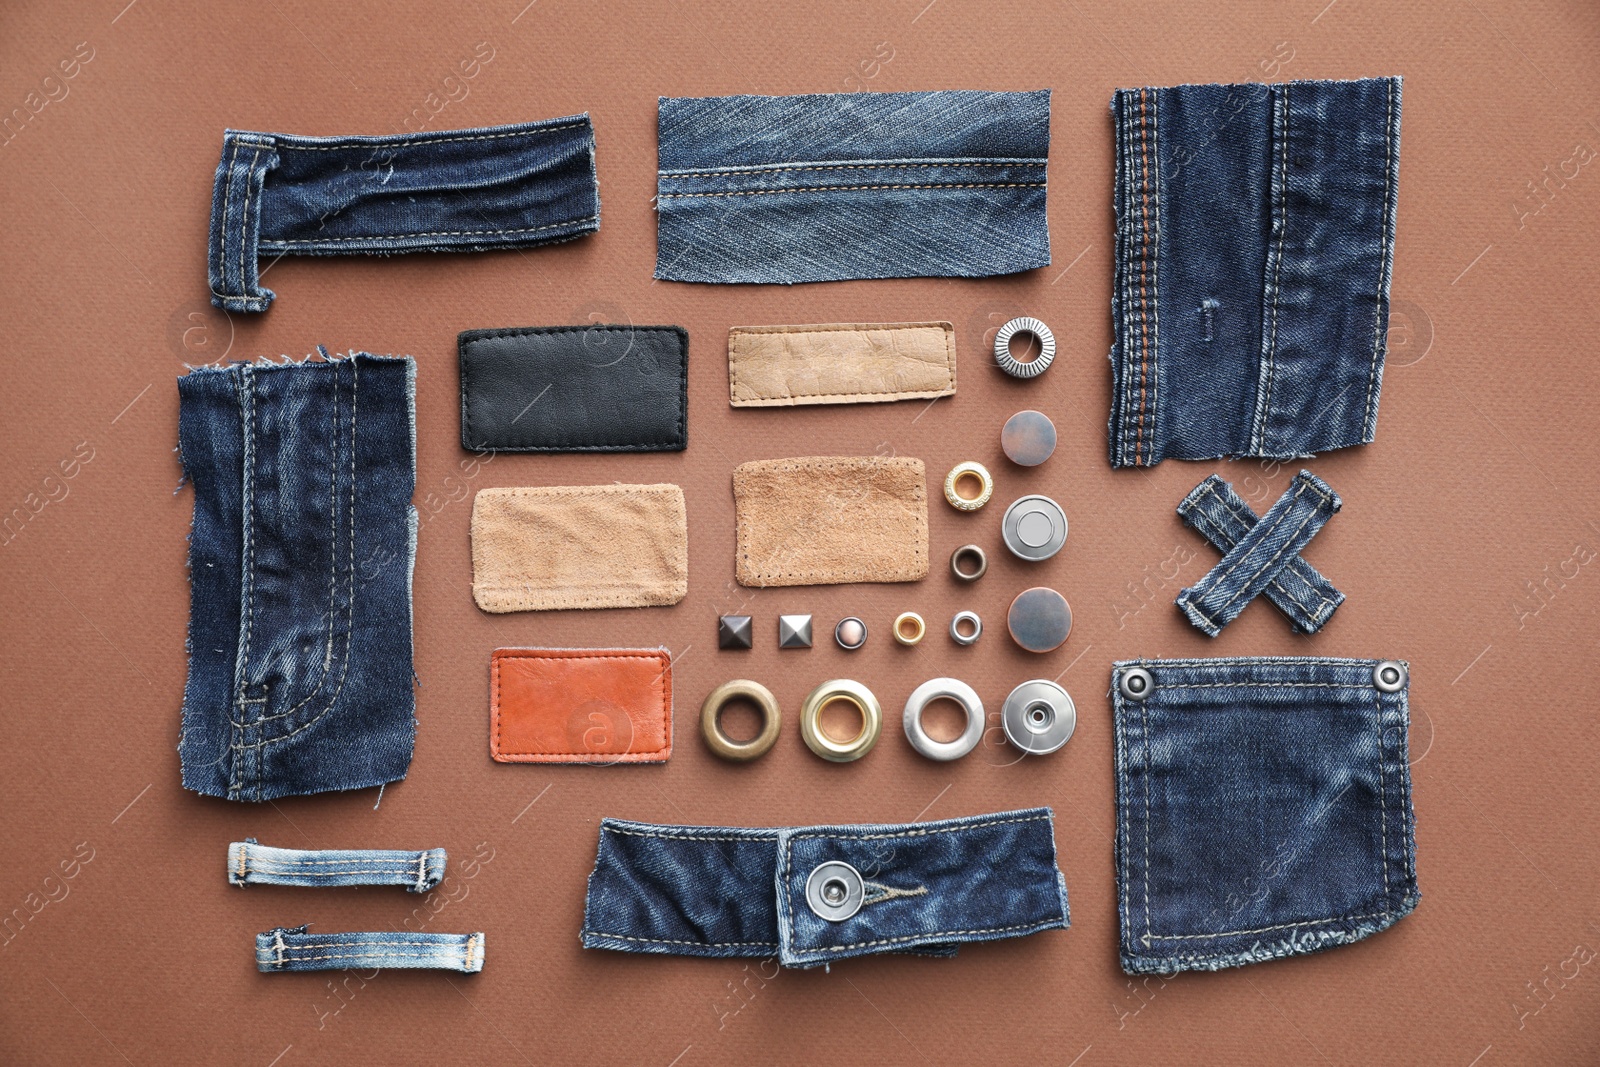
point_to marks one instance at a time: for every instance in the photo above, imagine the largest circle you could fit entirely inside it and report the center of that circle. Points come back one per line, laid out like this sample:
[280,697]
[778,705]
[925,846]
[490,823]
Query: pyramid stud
[794,631]
[733,631]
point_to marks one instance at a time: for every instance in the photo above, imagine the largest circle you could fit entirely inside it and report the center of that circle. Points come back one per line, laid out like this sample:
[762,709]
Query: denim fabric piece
[292,949]
[1261,554]
[1255,242]
[1263,810]
[1299,590]
[852,185]
[459,191]
[253,864]
[300,562]
[728,891]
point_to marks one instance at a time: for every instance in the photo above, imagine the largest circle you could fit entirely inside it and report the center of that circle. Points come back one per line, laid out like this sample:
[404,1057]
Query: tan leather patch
[580,705]
[842,363]
[825,520]
[579,546]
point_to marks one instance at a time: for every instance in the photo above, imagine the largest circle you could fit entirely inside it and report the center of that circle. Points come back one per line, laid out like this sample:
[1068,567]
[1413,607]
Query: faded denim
[1254,248]
[1263,810]
[852,185]
[250,863]
[458,191]
[300,558]
[730,891]
[293,949]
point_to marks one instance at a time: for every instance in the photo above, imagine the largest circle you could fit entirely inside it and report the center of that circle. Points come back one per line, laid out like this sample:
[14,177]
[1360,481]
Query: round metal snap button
[968,563]
[1390,676]
[1028,438]
[1034,528]
[962,623]
[1039,717]
[1039,620]
[835,891]
[948,689]
[1015,367]
[1136,683]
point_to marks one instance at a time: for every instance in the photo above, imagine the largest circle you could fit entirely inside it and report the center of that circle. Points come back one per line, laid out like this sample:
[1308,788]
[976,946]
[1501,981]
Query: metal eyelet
[1390,676]
[955,628]
[950,689]
[1039,717]
[851,693]
[1010,364]
[719,742]
[1136,683]
[969,552]
[962,473]
[850,633]
[909,628]
[835,891]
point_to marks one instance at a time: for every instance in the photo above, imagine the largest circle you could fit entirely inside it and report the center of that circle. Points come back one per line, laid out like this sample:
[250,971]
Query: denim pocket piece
[814,895]
[1263,808]
[300,562]
[852,185]
[458,191]
[1255,243]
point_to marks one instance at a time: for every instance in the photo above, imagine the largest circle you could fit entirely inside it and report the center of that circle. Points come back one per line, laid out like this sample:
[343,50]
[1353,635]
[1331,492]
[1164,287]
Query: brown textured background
[1468,544]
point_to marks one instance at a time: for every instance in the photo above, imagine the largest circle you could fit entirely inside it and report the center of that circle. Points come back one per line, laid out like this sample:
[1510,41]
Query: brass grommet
[851,693]
[720,743]
[965,474]
[909,628]
[969,552]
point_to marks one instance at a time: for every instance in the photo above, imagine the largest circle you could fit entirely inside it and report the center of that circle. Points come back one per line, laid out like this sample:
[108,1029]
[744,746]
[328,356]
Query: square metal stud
[794,631]
[733,631]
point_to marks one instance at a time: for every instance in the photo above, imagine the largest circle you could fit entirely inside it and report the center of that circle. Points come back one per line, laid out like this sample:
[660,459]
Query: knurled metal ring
[719,742]
[959,475]
[1015,367]
[850,692]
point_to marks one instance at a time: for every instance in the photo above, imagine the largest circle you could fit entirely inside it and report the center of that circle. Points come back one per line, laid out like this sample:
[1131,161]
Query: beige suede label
[579,546]
[825,520]
[843,363]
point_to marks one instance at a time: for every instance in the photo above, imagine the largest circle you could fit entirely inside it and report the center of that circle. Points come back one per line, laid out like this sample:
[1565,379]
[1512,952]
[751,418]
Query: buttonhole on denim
[1208,316]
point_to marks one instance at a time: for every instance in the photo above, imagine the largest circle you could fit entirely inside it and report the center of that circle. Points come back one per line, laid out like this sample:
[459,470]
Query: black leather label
[575,389]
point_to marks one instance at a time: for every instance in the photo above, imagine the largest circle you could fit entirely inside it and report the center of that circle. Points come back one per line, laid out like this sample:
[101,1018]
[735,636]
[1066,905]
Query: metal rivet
[1034,528]
[975,556]
[955,628]
[1136,683]
[1039,717]
[1009,363]
[947,689]
[1028,438]
[1390,676]
[851,633]
[794,631]
[909,628]
[962,474]
[1040,619]
[733,631]
[835,891]
[711,728]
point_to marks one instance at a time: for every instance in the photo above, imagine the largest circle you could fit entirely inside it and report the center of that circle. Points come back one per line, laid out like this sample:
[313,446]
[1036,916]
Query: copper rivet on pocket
[1136,683]
[1390,676]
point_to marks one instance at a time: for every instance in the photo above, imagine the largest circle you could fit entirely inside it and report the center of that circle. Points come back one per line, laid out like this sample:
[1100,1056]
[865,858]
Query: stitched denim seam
[730,172]
[244,222]
[1217,533]
[1385,266]
[1194,601]
[222,224]
[1144,715]
[1265,685]
[261,849]
[917,833]
[1284,547]
[855,188]
[276,244]
[690,837]
[405,869]
[1144,271]
[1126,236]
[1281,219]
[438,954]
[1124,841]
[700,944]
[1383,797]
[404,140]
[1267,929]
[1301,484]
[1153,177]
[1322,601]
[244,388]
[1044,924]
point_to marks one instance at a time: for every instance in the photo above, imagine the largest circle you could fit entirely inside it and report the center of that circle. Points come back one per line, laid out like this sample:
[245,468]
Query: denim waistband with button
[458,191]
[814,895]
[1254,244]
[294,949]
[250,863]
[1263,807]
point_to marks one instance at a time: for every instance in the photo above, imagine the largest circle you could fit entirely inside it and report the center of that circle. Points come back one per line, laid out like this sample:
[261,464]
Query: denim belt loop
[293,949]
[1222,517]
[250,863]
[236,221]
[1261,554]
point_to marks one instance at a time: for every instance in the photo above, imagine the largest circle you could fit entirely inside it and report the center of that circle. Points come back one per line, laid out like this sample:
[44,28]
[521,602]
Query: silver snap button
[1136,683]
[1039,717]
[1034,528]
[835,891]
[1389,676]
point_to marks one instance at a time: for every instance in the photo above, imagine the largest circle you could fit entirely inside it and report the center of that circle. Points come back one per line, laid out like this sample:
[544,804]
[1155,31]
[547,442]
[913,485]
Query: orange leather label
[580,705]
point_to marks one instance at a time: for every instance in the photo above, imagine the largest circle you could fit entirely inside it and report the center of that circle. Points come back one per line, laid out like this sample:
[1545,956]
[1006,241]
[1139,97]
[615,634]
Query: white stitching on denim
[428,233]
[1266,534]
[1144,741]
[1266,929]
[1266,685]
[277,940]
[1282,548]
[262,857]
[668,941]
[1154,180]
[1258,443]
[373,956]
[404,143]
[466,958]
[222,226]
[697,172]
[1322,601]
[1383,797]
[1379,338]
[853,188]
[353,941]
[395,871]
[687,837]
[244,221]
[1042,925]
[919,833]
[1198,518]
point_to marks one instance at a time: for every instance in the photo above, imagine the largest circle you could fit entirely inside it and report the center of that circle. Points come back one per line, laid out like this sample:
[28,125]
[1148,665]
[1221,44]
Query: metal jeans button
[1389,676]
[1136,683]
[835,891]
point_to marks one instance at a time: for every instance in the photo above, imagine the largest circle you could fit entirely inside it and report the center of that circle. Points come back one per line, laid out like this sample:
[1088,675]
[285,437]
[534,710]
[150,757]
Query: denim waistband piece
[1263,809]
[852,185]
[1222,517]
[253,864]
[1264,552]
[300,557]
[729,891]
[292,949]
[1255,243]
[456,191]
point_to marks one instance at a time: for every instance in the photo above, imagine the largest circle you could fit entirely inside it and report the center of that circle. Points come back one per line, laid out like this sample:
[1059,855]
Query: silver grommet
[1039,717]
[835,891]
[962,475]
[955,628]
[950,689]
[1010,364]
[909,628]
[851,633]
[1034,528]
[818,740]
[978,559]
[1390,676]
[1136,683]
